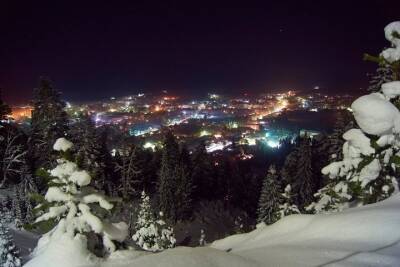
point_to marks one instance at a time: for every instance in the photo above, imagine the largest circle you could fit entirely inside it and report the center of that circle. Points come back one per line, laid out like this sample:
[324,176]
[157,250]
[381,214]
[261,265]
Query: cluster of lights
[149,145]
[217,146]
[21,113]
[233,125]
[272,143]
[149,130]
[204,110]
[246,156]
[204,133]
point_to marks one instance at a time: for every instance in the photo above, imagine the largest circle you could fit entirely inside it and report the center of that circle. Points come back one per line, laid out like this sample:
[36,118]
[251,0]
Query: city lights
[273,144]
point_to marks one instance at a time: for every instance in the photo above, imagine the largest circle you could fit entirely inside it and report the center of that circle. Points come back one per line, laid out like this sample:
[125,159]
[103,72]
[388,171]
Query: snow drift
[364,236]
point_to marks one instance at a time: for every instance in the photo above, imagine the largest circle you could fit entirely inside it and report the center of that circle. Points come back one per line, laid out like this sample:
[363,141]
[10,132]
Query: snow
[385,140]
[356,139]
[116,231]
[392,54]
[64,169]
[25,241]
[71,203]
[56,194]
[391,89]
[389,29]
[388,153]
[81,178]
[288,208]
[369,172]
[54,212]
[88,218]
[374,114]
[97,198]
[363,236]
[58,249]
[62,144]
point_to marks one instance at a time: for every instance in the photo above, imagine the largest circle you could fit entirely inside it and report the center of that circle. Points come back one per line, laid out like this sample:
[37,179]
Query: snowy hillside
[364,236]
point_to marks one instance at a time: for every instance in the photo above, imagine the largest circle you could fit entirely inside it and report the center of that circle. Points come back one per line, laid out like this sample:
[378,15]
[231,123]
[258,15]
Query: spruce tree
[288,206]
[71,206]
[289,167]
[9,253]
[152,234]
[150,162]
[384,73]
[320,157]
[335,140]
[369,169]
[224,173]
[300,170]
[184,190]
[106,178]
[305,181]
[203,174]
[88,150]
[270,198]
[174,185]
[167,177]
[49,122]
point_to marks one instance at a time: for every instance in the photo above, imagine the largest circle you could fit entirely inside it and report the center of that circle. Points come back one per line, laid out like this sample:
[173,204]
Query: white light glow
[273,144]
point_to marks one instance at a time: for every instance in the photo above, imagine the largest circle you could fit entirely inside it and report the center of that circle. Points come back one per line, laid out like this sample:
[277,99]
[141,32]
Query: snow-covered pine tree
[371,163]
[9,254]
[49,122]
[288,207]
[152,234]
[270,198]
[74,206]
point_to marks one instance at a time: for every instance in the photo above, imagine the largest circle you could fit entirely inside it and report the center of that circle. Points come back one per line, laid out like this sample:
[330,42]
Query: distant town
[219,121]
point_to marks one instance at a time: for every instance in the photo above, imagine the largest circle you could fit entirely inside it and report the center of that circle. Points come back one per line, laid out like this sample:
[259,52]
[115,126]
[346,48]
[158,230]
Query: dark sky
[96,49]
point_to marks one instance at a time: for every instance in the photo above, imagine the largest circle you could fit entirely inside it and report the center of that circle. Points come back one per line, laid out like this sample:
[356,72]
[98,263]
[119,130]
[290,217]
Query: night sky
[97,49]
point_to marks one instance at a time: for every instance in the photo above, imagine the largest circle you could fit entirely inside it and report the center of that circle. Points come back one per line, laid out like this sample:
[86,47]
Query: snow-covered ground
[25,241]
[364,236]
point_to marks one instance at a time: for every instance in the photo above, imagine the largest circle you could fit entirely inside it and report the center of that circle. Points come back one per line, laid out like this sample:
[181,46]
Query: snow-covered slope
[365,236]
